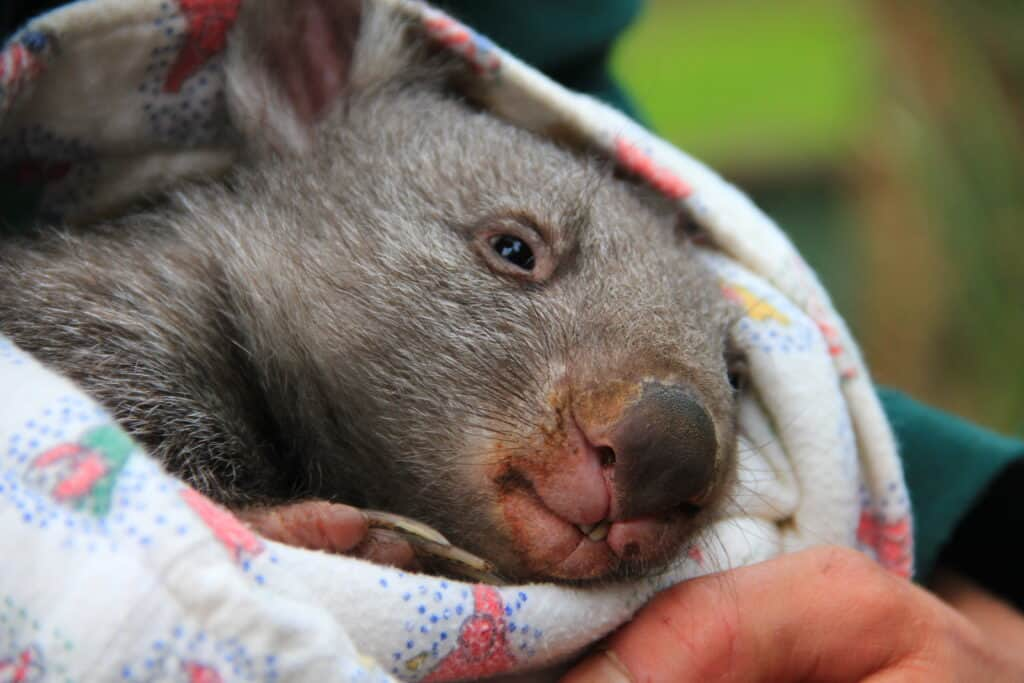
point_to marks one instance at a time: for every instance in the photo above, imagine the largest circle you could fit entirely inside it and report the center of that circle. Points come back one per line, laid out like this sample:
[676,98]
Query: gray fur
[319,325]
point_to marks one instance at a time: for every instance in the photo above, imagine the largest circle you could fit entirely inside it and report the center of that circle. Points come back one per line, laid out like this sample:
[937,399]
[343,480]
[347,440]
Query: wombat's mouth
[567,522]
[553,547]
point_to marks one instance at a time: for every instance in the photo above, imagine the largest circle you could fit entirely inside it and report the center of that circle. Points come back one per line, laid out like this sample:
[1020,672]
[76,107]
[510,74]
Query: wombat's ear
[288,64]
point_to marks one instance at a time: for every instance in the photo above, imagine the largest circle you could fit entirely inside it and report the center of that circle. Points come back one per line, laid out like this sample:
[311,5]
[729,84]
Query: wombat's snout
[619,482]
[663,450]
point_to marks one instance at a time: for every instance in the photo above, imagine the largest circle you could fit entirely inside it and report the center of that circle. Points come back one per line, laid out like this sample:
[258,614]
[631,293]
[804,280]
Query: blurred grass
[962,146]
[752,85]
[888,140]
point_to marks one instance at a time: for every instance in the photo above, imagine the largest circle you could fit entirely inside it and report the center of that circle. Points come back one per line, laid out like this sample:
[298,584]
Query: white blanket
[113,570]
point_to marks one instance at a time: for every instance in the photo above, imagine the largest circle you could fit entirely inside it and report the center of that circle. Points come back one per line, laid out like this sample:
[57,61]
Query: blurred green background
[887,138]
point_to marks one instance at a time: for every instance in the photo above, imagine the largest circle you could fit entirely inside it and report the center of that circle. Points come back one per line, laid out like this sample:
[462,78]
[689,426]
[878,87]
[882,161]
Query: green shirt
[966,486]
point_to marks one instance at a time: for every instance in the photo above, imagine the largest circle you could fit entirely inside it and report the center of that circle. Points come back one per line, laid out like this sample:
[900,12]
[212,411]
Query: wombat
[400,302]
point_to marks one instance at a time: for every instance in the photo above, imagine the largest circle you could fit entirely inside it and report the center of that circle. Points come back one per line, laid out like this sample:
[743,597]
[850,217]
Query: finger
[825,614]
[316,525]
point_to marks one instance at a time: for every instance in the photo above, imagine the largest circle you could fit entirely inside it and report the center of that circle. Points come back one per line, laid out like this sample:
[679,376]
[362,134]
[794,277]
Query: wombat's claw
[433,549]
[408,528]
[448,559]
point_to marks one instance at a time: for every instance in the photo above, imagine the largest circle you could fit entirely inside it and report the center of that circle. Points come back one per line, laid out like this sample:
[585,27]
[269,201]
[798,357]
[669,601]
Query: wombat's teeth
[598,532]
[403,525]
[585,528]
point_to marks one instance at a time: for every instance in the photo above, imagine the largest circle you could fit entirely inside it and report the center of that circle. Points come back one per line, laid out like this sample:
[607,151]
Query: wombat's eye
[737,369]
[514,250]
[692,230]
[512,246]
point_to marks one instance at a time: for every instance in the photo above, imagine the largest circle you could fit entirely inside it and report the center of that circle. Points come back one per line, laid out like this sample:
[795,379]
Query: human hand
[825,614]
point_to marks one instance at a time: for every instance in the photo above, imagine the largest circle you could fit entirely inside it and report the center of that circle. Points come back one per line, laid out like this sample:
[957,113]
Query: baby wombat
[400,302]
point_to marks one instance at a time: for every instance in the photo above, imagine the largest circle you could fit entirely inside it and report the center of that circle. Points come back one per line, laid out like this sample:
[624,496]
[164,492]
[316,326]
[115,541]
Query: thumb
[822,614]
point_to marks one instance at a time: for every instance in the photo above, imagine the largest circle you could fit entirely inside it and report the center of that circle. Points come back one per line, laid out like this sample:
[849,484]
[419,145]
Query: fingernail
[601,668]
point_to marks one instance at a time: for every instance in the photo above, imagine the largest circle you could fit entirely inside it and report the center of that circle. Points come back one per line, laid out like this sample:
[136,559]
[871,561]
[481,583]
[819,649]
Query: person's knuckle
[875,592]
[842,561]
[838,566]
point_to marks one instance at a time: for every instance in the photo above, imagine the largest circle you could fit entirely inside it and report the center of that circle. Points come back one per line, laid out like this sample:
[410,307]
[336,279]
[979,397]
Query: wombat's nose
[664,450]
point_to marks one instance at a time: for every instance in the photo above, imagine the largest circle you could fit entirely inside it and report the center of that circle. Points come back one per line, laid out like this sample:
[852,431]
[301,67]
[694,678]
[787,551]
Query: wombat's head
[464,322]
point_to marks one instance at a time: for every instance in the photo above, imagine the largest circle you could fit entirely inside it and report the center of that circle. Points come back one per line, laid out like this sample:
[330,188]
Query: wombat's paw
[434,552]
[330,527]
[380,537]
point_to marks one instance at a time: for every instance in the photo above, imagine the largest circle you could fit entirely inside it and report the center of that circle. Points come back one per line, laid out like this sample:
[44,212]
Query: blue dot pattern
[187,654]
[431,617]
[146,518]
[195,115]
